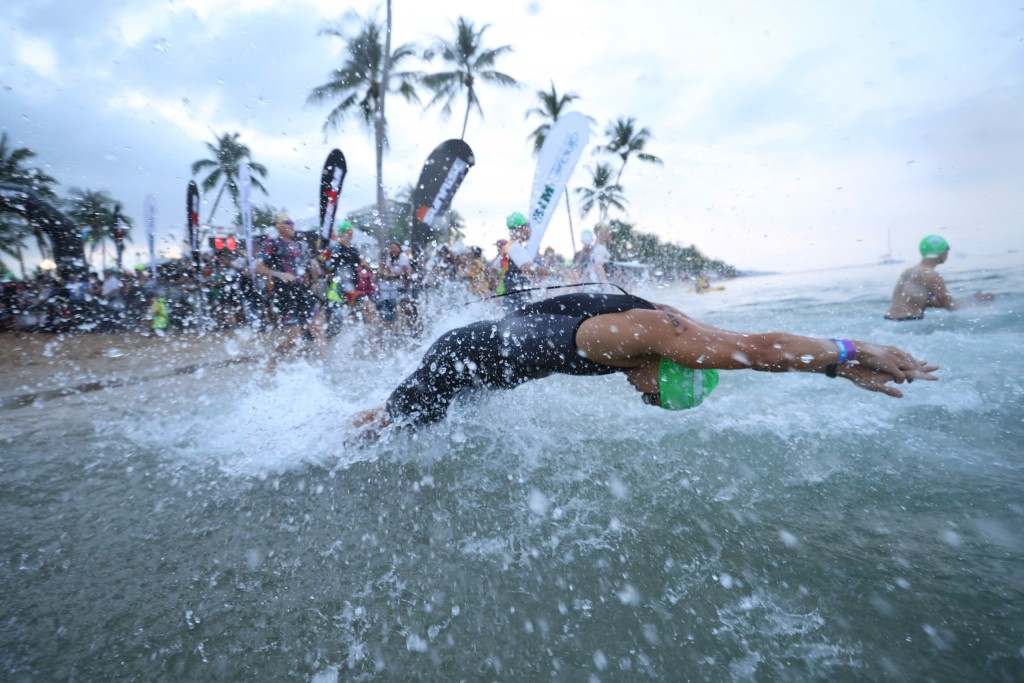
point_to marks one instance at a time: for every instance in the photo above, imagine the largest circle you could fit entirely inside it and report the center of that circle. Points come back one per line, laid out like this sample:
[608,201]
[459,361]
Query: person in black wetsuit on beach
[656,346]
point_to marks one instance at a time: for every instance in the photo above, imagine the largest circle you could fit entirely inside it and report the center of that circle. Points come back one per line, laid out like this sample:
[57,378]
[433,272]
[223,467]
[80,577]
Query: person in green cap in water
[921,286]
[670,358]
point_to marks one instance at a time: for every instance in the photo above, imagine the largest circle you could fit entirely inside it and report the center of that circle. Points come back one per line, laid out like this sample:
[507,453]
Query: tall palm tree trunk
[465,119]
[382,230]
[603,206]
[21,261]
[568,210]
[216,202]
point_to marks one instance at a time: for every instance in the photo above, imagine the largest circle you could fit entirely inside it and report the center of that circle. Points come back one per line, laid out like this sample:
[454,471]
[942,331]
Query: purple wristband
[851,350]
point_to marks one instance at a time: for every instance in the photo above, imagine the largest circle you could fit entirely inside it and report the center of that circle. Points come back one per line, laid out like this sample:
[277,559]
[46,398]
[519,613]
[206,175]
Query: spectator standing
[112,301]
[76,289]
[517,268]
[599,255]
[393,296]
[158,313]
[289,266]
[581,260]
[348,287]
[473,271]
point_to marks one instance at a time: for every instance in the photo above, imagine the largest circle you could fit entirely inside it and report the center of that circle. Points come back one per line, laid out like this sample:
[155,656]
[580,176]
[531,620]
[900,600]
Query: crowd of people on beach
[334,284]
[296,282]
[308,290]
[114,301]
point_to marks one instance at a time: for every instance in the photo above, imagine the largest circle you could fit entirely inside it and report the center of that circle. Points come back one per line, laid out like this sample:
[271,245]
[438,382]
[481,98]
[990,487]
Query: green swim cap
[683,388]
[933,245]
[343,226]
[515,220]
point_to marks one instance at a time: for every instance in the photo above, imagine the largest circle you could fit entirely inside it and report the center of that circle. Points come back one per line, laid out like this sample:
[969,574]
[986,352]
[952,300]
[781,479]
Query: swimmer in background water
[673,360]
[921,286]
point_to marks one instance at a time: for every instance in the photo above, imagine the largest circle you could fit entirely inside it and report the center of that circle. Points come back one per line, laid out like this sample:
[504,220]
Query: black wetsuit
[516,282]
[534,341]
[343,264]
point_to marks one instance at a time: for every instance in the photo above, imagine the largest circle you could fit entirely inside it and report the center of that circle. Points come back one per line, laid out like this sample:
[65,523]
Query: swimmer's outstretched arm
[622,338]
[939,295]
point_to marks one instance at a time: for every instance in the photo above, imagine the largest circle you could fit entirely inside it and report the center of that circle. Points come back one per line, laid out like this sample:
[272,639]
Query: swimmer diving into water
[669,357]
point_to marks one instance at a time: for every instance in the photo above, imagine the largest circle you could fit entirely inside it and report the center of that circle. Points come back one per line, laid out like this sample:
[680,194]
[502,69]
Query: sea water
[223,526]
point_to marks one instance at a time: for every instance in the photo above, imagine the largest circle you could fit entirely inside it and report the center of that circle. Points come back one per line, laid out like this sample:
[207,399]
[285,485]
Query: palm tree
[359,85]
[263,217]
[603,193]
[14,172]
[552,105]
[624,139]
[12,242]
[469,62]
[228,156]
[401,227]
[93,210]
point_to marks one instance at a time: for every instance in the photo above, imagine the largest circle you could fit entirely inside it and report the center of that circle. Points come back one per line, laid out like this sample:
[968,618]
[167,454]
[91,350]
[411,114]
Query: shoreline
[41,365]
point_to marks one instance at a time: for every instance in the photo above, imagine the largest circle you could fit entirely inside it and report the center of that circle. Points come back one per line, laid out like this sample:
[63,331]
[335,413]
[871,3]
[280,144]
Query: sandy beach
[39,365]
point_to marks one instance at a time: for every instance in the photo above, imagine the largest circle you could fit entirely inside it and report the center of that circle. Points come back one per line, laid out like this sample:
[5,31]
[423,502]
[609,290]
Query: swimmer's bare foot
[370,422]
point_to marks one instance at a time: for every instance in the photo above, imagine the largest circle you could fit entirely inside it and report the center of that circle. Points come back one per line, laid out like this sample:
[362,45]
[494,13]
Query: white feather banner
[562,148]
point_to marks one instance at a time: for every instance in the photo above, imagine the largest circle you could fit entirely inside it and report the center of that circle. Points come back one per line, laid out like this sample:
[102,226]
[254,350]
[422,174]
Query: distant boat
[887,258]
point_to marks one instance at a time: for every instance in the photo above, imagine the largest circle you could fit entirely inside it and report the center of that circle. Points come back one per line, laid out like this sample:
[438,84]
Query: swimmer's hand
[889,360]
[871,379]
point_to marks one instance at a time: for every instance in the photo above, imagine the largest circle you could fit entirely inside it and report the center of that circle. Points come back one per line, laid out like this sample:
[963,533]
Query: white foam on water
[575,481]
[266,423]
[567,428]
[760,625]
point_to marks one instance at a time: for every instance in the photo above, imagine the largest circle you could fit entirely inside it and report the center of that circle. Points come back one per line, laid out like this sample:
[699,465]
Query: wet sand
[38,365]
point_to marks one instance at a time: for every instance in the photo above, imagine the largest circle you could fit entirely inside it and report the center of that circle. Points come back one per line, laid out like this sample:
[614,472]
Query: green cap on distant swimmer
[516,219]
[933,245]
[682,387]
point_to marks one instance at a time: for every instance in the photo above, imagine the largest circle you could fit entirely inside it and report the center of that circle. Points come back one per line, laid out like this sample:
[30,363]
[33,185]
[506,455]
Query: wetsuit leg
[494,354]
[451,364]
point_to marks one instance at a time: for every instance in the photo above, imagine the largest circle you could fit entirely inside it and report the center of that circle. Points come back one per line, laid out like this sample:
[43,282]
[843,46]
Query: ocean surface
[222,526]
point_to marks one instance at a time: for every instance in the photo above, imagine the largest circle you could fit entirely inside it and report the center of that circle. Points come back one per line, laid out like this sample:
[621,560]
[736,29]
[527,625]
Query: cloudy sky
[795,134]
